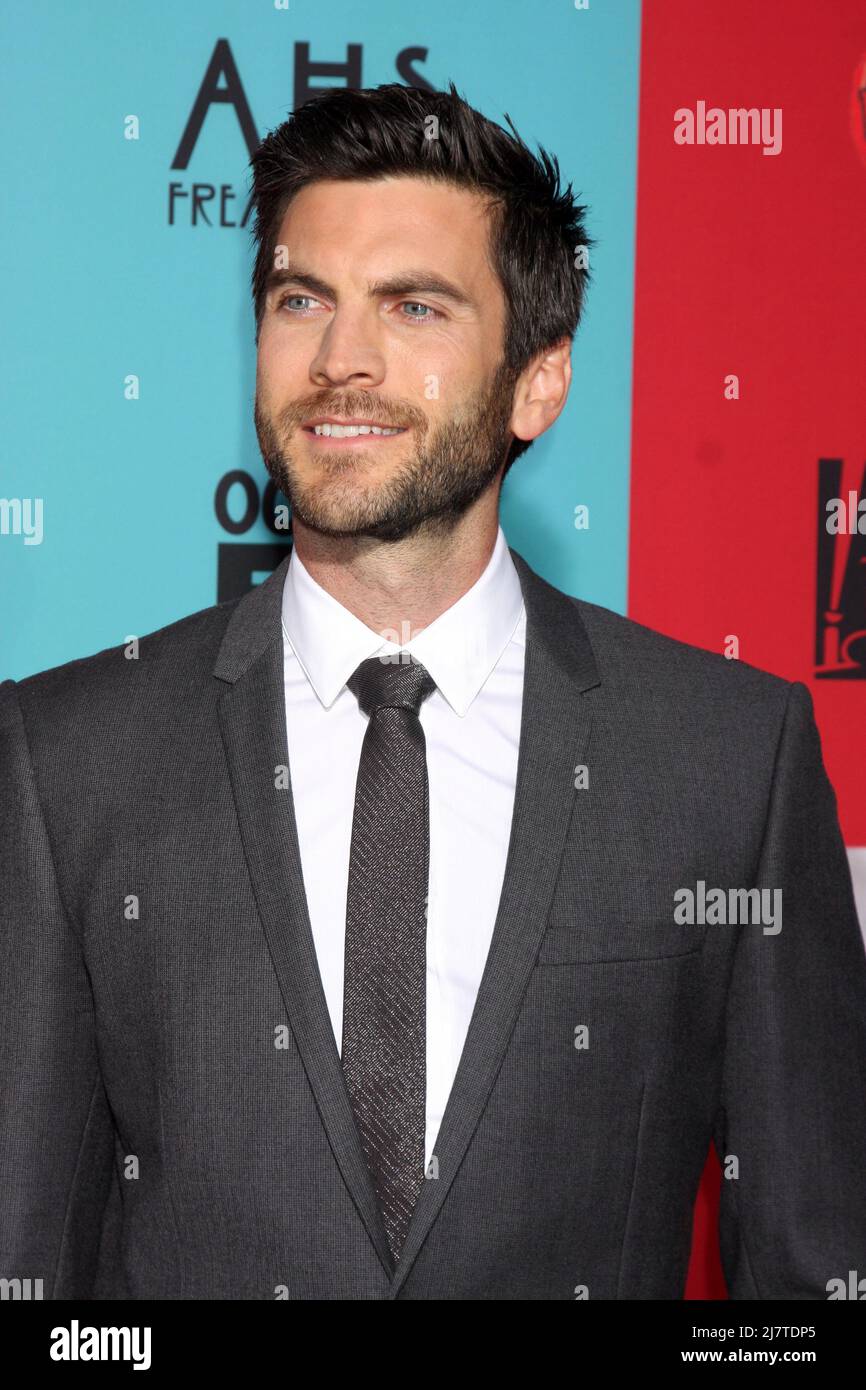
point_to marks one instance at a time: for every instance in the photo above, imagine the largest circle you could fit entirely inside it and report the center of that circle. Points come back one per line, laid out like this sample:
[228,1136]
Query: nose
[348,353]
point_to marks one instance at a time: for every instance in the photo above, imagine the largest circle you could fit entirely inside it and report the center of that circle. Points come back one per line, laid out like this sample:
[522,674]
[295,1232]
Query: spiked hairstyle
[536,227]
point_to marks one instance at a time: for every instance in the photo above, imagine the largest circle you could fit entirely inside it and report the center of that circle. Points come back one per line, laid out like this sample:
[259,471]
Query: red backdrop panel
[751,265]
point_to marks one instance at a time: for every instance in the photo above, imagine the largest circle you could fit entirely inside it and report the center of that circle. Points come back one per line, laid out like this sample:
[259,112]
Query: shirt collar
[459,649]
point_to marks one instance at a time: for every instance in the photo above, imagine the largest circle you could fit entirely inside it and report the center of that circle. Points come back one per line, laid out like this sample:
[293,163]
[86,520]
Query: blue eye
[430,312]
[288,297]
[300,304]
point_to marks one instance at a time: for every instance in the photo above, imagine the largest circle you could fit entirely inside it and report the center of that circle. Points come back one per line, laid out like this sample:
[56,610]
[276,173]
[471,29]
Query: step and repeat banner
[708,476]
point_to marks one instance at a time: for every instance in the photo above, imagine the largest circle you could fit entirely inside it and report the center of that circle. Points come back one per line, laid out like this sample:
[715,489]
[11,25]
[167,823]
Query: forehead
[371,224]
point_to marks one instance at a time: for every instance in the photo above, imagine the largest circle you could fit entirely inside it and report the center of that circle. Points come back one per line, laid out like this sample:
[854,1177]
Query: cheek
[420,359]
[451,373]
[278,371]
[434,383]
[457,398]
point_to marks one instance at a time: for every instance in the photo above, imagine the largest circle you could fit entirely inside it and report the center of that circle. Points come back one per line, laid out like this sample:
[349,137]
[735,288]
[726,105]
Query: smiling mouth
[333,431]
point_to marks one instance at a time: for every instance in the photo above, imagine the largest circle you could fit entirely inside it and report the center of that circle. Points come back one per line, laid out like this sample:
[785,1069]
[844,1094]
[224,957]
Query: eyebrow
[406,283]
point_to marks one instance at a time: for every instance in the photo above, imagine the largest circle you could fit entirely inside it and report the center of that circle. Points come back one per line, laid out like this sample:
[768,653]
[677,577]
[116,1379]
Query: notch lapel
[252,717]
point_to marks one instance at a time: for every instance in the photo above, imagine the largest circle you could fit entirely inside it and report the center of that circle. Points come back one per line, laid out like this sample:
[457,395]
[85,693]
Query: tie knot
[394,684]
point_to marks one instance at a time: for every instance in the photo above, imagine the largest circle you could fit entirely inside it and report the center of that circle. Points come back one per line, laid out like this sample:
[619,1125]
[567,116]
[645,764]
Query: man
[407,928]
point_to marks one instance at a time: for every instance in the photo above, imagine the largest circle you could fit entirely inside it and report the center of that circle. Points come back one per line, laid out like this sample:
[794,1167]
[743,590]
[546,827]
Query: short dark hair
[536,227]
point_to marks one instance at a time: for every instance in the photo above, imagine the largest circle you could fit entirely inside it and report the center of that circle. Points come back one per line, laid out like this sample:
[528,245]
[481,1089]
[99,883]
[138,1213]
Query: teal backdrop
[106,279]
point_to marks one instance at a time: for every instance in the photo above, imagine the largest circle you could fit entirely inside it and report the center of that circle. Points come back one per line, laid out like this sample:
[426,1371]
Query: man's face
[385,311]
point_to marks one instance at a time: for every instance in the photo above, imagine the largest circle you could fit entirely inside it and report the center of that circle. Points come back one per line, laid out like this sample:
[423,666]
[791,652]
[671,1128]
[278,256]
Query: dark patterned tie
[384,1000]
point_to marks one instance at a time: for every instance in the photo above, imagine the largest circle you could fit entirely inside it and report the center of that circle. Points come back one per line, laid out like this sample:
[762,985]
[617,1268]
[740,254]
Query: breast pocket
[612,939]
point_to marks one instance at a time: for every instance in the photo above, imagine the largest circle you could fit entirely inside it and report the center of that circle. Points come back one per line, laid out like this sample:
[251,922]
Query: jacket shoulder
[628,651]
[181,651]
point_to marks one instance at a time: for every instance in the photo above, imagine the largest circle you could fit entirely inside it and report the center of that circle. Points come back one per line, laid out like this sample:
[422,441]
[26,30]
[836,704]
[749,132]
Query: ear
[541,391]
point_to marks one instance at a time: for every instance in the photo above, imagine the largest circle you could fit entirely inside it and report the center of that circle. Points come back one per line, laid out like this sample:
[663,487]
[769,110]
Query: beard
[452,465]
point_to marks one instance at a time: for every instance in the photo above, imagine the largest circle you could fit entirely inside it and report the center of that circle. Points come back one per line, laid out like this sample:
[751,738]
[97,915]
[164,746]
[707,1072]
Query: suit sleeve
[793,1101]
[56,1133]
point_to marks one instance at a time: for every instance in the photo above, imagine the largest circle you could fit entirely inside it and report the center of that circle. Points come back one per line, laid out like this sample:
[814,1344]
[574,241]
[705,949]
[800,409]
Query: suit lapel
[554,734]
[253,722]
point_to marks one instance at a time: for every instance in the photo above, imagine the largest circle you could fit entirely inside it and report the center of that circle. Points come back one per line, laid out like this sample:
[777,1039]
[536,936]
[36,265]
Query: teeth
[351,431]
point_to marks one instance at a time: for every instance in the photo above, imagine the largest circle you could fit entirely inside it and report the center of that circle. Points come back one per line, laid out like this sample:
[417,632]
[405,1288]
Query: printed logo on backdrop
[214,201]
[840,611]
[858,109]
[241,565]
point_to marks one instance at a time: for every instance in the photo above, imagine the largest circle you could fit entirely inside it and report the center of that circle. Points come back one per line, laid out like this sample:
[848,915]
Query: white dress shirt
[475,653]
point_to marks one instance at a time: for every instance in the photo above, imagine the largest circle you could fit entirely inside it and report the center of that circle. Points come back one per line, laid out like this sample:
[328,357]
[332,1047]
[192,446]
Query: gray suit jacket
[175,1123]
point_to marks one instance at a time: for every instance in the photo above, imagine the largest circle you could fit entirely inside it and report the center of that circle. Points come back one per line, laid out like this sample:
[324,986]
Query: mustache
[392,414]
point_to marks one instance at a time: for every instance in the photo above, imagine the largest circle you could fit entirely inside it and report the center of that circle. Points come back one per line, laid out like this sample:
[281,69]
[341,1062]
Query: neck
[397,588]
